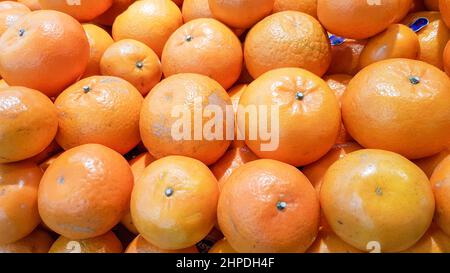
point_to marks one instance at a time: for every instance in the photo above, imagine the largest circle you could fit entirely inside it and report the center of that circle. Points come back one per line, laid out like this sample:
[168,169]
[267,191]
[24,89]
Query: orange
[43,58]
[83,11]
[316,171]
[133,61]
[99,109]
[9,17]
[301,98]
[434,241]
[277,42]
[230,161]
[106,243]
[432,38]
[138,165]
[400,105]
[446,58]
[306,6]
[195,9]
[432,4]
[18,200]
[140,245]
[118,6]
[328,242]
[338,83]
[3,84]
[52,149]
[85,191]
[39,241]
[441,181]
[268,206]
[397,41]
[99,41]
[169,124]
[349,18]
[13,5]
[31,4]
[242,13]
[28,123]
[345,57]
[377,196]
[194,48]
[44,165]
[235,94]
[149,21]
[222,246]
[429,164]
[184,192]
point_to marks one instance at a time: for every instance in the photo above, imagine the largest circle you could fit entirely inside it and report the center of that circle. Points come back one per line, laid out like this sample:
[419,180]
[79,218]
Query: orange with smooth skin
[429,164]
[31,4]
[106,243]
[441,188]
[306,6]
[118,7]
[195,9]
[446,58]
[13,5]
[345,57]
[83,11]
[140,245]
[9,17]
[99,41]
[39,241]
[222,246]
[434,241]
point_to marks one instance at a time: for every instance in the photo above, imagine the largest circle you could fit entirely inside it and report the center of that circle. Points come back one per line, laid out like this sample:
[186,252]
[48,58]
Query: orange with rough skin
[183,95]
[138,165]
[133,61]
[19,215]
[277,41]
[441,188]
[230,161]
[46,50]
[316,171]
[28,123]
[184,192]
[118,7]
[376,195]
[31,4]
[303,100]
[84,11]
[106,243]
[446,58]
[432,38]
[397,41]
[241,13]
[400,105]
[349,18]
[306,6]
[140,245]
[149,21]
[434,241]
[338,83]
[9,17]
[13,5]
[328,242]
[195,9]
[429,164]
[199,46]
[99,41]
[85,191]
[345,57]
[222,246]
[432,5]
[268,206]
[39,241]
[235,94]
[99,109]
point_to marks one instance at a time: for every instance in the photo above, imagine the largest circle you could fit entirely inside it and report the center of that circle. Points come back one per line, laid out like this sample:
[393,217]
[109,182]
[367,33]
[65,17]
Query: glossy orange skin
[432,38]
[99,41]
[133,61]
[306,6]
[157,123]
[345,57]
[140,245]
[44,60]
[106,243]
[48,152]
[279,88]
[235,94]
[349,18]
[429,164]
[248,214]
[397,41]
[375,195]
[276,42]
[193,48]
[446,58]
[28,123]
[187,215]
[328,242]
[89,209]
[440,181]
[11,5]
[8,17]
[195,9]
[31,4]
[44,165]
[18,200]
[151,22]
[230,161]
[107,114]
[118,7]
[39,241]
[316,171]
[444,8]
[434,241]
[383,109]
[85,11]
[242,13]
[222,246]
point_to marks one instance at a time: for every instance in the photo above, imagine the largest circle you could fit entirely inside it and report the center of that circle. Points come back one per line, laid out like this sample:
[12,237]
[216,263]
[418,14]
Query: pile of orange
[159,126]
